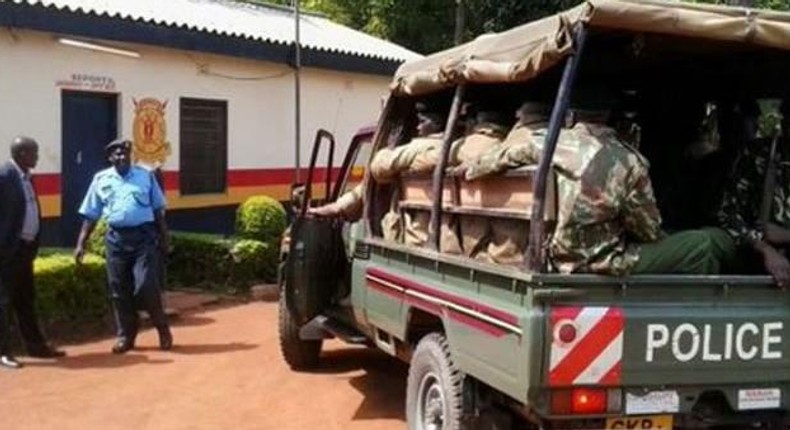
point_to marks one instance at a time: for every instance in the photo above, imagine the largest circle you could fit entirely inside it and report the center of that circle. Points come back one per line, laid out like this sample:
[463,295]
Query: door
[89,122]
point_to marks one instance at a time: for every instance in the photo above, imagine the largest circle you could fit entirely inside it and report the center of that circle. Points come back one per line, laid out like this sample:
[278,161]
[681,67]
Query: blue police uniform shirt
[126,201]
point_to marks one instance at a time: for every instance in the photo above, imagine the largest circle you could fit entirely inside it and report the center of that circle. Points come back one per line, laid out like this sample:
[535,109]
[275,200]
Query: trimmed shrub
[67,293]
[96,243]
[253,259]
[218,263]
[261,218]
[198,260]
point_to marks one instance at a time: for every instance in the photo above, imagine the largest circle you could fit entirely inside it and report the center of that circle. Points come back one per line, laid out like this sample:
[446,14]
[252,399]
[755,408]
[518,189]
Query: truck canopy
[521,53]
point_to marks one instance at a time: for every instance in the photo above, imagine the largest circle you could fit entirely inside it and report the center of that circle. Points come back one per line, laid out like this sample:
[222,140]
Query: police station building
[204,88]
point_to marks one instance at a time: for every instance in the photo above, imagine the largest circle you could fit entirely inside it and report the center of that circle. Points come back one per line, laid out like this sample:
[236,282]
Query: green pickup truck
[494,346]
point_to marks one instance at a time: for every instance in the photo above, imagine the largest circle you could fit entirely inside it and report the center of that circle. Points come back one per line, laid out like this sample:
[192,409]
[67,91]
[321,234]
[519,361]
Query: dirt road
[224,373]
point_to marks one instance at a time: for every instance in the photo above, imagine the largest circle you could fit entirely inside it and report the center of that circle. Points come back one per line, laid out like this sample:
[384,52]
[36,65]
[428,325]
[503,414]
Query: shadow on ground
[98,360]
[383,385]
[201,349]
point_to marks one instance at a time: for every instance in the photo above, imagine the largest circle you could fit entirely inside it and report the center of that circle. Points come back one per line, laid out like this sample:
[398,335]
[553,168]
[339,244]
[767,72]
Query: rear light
[586,401]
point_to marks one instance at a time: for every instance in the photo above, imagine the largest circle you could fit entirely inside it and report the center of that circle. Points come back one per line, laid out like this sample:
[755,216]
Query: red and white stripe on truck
[586,346]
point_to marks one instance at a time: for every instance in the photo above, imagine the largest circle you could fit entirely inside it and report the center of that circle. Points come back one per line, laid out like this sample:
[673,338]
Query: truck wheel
[299,354]
[434,388]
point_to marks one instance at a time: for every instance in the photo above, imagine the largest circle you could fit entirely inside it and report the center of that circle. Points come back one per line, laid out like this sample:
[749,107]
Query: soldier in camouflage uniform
[508,238]
[421,155]
[739,213]
[608,221]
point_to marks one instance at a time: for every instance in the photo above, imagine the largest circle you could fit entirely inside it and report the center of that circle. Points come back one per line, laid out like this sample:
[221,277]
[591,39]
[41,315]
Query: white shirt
[31,224]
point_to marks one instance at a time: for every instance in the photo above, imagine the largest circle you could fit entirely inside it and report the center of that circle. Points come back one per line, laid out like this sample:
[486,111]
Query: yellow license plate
[652,422]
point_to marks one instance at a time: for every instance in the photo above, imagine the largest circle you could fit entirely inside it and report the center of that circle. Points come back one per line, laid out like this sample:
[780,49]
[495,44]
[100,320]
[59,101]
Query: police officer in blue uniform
[132,203]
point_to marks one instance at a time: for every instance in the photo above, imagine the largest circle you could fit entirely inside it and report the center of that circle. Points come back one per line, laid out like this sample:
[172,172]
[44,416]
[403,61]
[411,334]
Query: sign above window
[88,82]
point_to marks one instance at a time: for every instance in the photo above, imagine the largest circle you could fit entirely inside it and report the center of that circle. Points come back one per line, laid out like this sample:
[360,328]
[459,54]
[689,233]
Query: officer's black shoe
[122,345]
[165,339]
[45,351]
[10,362]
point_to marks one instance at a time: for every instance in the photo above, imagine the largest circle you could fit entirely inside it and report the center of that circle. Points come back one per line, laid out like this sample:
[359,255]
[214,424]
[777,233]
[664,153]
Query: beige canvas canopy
[521,53]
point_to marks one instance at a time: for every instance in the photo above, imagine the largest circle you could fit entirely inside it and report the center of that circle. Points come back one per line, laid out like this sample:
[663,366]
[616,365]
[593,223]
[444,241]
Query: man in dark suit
[20,220]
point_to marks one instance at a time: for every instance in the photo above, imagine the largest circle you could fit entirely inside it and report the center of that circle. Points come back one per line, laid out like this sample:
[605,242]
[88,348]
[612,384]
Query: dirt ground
[224,372]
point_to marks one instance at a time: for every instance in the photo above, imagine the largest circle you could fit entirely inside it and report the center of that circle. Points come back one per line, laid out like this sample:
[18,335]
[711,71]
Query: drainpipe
[297,95]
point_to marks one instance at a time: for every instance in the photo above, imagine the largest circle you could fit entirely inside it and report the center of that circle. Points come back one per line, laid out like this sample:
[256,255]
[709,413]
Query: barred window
[204,146]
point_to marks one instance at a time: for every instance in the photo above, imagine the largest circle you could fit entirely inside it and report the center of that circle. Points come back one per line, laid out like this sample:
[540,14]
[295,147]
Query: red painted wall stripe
[51,183]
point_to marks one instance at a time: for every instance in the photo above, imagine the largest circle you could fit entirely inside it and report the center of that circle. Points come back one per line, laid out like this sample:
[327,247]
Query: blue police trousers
[133,277]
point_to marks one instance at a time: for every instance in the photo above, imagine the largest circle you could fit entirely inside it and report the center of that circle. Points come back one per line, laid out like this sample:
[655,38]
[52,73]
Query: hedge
[219,263]
[67,293]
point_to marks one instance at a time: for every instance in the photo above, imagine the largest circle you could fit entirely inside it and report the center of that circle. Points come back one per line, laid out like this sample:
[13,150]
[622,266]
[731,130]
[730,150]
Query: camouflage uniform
[351,202]
[475,231]
[606,207]
[421,156]
[508,239]
[741,203]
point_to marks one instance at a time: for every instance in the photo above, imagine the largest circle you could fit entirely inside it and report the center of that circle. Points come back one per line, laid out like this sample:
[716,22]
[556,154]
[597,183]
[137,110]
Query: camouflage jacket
[740,207]
[606,205]
[421,154]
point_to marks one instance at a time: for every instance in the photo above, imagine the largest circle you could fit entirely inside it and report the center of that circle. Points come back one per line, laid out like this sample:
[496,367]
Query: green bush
[67,293]
[96,243]
[254,260]
[218,263]
[198,260]
[261,218]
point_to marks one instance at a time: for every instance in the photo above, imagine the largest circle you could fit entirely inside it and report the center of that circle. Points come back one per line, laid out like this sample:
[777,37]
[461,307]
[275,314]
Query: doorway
[89,121]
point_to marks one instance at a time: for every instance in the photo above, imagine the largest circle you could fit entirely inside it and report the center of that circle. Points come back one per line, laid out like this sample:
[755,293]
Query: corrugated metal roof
[231,18]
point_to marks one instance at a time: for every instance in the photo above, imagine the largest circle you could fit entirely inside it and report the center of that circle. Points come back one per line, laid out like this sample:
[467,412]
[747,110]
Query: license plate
[652,422]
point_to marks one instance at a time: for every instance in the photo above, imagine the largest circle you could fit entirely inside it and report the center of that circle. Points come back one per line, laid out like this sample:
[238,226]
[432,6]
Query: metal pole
[460,21]
[537,227]
[297,96]
[438,172]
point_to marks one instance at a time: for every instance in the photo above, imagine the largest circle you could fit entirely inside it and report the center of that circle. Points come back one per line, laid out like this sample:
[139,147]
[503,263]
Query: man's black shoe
[45,351]
[9,362]
[165,339]
[122,345]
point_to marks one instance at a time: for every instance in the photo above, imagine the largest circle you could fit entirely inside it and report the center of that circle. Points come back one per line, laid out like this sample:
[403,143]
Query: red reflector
[588,401]
[567,333]
[561,402]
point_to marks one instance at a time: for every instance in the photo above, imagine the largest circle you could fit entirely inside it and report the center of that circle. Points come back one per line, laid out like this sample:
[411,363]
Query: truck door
[316,259]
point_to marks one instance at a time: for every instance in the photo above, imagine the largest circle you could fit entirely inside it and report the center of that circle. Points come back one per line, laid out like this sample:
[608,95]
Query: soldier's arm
[389,162]
[736,200]
[500,159]
[349,205]
[641,216]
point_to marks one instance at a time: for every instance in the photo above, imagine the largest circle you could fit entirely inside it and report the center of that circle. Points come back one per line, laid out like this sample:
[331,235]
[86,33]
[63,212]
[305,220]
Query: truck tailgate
[658,337]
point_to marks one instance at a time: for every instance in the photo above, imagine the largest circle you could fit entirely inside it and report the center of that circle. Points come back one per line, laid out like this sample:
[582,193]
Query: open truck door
[316,263]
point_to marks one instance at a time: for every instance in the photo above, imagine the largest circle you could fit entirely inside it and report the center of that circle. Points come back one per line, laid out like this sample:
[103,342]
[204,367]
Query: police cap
[118,143]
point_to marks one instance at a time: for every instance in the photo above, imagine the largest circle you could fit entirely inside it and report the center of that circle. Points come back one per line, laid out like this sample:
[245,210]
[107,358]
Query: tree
[428,25]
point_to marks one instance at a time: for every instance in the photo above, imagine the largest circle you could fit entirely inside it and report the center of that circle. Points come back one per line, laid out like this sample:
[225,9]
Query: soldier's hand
[79,253]
[778,266]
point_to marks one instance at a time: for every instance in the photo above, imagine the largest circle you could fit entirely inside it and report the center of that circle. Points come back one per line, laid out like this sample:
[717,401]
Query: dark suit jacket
[12,208]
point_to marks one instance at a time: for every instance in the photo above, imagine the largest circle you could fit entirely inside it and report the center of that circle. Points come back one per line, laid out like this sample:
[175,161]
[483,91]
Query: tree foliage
[429,25]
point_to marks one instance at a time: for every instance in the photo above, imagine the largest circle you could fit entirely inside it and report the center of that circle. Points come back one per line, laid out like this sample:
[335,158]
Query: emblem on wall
[150,132]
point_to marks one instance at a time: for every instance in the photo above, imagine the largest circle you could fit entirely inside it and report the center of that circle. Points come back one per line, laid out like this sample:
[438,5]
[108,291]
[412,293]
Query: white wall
[260,97]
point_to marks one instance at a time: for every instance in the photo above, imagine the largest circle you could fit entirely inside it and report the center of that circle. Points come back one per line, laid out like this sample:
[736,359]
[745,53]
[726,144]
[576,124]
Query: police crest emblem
[150,144]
